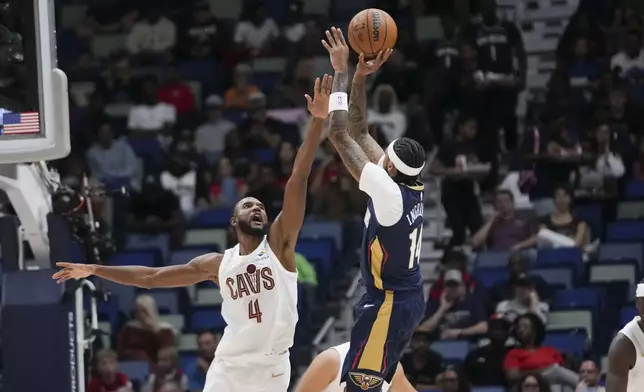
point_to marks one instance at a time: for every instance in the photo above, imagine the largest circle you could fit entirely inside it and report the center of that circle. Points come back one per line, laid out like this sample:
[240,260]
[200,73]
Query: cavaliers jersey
[259,305]
[390,254]
[635,334]
[337,385]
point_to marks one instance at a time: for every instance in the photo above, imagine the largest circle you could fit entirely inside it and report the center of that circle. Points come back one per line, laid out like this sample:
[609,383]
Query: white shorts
[226,377]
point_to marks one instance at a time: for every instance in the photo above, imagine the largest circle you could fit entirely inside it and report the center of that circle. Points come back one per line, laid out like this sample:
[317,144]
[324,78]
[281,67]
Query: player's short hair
[412,154]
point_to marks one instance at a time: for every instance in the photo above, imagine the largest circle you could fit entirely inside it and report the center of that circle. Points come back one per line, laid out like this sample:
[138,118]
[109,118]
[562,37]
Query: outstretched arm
[288,223]
[621,359]
[400,383]
[199,269]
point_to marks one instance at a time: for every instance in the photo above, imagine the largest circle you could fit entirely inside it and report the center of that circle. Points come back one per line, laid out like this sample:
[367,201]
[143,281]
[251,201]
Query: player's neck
[248,244]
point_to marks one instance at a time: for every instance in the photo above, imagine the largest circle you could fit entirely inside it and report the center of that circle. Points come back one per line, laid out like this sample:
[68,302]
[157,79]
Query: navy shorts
[383,327]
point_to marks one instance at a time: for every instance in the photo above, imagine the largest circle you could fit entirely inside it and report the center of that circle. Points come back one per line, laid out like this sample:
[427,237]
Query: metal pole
[80,341]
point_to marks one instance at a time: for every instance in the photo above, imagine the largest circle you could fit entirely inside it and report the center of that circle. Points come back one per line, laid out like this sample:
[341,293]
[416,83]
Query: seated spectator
[505,230]
[530,356]
[458,314]
[180,178]
[119,81]
[590,377]
[454,259]
[517,267]
[256,32]
[583,67]
[149,116]
[452,381]
[238,94]
[454,162]
[201,37]
[631,56]
[155,211]
[108,379]
[210,136]
[196,371]
[624,116]
[484,365]
[294,28]
[144,336]
[111,159]
[524,300]
[225,189]
[167,370]
[152,35]
[176,92]
[237,152]
[259,131]
[421,364]
[532,382]
[562,228]
[608,164]
[264,189]
[284,161]
[385,112]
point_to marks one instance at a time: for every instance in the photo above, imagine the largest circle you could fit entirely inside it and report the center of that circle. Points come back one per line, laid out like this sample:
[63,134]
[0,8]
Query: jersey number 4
[416,239]
[253,310]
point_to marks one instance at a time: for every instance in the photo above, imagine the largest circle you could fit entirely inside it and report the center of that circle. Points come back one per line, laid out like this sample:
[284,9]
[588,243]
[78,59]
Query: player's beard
[247,229]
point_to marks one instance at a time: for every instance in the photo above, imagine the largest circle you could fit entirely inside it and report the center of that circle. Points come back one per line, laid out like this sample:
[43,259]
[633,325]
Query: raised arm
[288,223]
[621,359]
[199,269]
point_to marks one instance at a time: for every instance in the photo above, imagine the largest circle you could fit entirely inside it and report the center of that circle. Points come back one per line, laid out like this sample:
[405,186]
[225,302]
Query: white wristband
[338,101]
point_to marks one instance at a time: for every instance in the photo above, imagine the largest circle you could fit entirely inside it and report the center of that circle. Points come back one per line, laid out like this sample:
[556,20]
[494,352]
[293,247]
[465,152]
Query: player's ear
[233,221]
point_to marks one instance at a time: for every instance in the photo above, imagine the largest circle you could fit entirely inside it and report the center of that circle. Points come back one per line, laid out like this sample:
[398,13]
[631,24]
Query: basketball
[371,31]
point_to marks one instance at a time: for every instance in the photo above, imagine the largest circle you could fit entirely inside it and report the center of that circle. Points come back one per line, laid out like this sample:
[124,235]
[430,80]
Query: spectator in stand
[608,165]
[176,92]
[259,131]
[582,67]
[201,37]
[631,56]
[108,378]
[256,32]
[590,377]
[458,314]
[484,365]
[196,371]
[386,113]
[458,185]
[623,117]
[524,300]
[530,356]
[225,189]
[144,335]
[533,383]
[264,189]
[517,267]
[294,29]
[562,221]
[153,35]
[119,82]
[112,161]
[452,381]
[180,178]
[149,116]
[156,211]
[284,161]
[505,230]
[457,260]
[581,26]
[421,363]
[167,370]
[238,95]
[210,136]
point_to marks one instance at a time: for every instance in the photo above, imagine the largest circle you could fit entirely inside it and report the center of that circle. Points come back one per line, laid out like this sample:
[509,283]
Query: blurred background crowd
[532,242]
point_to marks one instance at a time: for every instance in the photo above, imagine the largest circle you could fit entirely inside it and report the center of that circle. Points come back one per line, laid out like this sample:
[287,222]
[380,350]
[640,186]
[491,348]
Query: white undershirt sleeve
[384,192]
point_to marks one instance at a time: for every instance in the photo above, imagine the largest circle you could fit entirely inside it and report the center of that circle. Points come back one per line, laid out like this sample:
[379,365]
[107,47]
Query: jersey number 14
[416,239]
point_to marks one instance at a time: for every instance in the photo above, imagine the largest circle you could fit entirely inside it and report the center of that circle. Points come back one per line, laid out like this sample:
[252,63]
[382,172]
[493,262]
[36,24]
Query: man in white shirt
[154,34]
[632,56]
[258,31]
[386,113]
[524,300]
[150,115]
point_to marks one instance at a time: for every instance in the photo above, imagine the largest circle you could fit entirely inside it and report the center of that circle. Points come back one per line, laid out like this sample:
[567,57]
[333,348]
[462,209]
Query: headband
[639,292]
[400,165]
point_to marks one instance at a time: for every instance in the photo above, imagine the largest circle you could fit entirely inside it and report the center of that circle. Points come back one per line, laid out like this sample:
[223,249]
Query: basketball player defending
[626,352]
[393,305]
[324,373]
[257,277]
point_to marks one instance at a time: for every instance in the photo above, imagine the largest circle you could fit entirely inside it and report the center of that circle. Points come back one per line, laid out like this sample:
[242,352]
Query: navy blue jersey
[390,254]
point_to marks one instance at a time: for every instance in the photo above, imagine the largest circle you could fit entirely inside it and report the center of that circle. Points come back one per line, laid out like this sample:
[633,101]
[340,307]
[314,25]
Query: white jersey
[635,334]
[259,306]
[336,385]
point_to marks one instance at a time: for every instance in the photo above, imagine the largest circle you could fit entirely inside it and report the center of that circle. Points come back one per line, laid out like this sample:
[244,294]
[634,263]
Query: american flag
[20,123]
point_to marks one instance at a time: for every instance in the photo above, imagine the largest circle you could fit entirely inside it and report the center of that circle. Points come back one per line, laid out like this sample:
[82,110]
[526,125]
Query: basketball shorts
[227,377]
[383,327]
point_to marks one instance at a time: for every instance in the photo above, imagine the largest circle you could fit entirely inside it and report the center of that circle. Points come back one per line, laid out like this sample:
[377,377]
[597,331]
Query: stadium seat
[136,371]
[570,343]
[452,351]
[215,217]
[630,210]
[105,44]
[166,300]
[125,294]
[625,231]
[622,251]
[207,319]
[491,259]
[141,241]
[627,314]
[265,155]
[559,257]
[592,214]
[613,272]
[555,276]
[208,297]
[323,229]
[635,190]
[321,249]
[146,147]
[203,71]
[581,320]
[176,320]
[585,297]
[186,360]
[188,342]
[217,238]
[183,256]
[144,258]
[489,276]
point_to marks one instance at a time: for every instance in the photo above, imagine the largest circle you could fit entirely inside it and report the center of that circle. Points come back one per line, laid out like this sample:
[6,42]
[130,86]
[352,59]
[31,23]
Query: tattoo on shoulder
[355,113]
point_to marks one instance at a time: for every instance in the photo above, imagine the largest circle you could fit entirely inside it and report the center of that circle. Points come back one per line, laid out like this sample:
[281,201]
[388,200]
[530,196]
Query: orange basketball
[371,31]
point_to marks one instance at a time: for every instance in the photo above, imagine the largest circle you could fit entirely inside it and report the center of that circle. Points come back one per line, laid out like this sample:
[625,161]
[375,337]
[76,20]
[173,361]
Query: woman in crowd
[531,356]
[563,222]
[533,383]
[607,163]
[452,381]
[145,334]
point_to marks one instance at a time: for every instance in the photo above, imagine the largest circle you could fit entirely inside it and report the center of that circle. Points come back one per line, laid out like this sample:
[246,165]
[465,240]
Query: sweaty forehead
[245,202]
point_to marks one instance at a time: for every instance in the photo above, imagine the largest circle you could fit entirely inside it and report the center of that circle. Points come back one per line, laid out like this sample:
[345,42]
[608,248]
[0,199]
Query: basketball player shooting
[257,277]
[325,372]
[393,305]
[626,352]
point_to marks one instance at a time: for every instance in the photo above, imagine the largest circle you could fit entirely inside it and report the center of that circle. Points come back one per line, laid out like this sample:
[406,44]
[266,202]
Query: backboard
[34,112]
